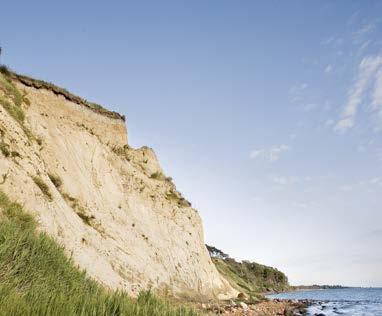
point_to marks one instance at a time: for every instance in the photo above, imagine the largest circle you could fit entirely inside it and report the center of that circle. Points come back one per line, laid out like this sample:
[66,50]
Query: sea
[343,301]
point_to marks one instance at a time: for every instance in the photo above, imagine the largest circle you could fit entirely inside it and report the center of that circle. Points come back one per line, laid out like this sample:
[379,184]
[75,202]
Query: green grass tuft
[36,278]
[43,186]
[16,112]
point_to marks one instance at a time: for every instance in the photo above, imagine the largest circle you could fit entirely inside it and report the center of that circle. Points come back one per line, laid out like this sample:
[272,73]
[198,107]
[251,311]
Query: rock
[204,306]
[243,306]
[241,296]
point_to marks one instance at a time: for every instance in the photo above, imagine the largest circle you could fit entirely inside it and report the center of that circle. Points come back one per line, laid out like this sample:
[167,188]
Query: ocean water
[349,301]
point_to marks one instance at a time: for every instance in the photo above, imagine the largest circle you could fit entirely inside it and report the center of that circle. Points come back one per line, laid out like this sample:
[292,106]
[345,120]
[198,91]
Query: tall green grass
[36,278]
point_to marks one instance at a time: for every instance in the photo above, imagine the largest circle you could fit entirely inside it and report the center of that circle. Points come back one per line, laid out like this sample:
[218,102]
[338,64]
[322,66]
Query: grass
[36,278]
[43,186]
[16,112]
[12,101]
[82,213]
[10,90]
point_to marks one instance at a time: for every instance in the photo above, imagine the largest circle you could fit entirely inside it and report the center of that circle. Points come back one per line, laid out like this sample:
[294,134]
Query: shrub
[157,176]
[4,70]
[43,186]
[4,149]
[15,154]
[56,180]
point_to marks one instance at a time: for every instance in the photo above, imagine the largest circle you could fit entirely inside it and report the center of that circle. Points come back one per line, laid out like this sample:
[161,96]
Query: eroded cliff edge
[109,205]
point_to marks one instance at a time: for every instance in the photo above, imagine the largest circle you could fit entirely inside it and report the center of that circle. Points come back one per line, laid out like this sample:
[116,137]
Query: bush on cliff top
[36,278]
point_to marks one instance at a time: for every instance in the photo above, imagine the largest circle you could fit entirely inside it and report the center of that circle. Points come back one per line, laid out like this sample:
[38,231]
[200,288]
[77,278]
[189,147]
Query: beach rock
[243,306]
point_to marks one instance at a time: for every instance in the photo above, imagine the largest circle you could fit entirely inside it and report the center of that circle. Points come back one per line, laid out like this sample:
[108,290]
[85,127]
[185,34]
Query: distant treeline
[319,287]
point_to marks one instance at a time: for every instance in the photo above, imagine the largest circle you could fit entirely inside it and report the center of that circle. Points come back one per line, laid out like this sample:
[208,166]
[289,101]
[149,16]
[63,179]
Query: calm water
[352,301]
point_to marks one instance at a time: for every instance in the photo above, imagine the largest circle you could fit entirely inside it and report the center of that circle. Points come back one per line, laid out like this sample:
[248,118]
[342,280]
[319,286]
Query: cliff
[68,162]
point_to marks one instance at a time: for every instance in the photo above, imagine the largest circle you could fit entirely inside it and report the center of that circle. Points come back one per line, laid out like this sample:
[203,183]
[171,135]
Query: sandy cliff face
[109,205]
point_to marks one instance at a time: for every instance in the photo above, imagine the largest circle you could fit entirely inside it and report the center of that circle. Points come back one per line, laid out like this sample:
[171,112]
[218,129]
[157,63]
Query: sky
[267,114]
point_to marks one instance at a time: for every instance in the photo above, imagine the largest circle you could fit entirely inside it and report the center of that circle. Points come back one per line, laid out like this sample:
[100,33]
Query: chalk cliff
[116,214]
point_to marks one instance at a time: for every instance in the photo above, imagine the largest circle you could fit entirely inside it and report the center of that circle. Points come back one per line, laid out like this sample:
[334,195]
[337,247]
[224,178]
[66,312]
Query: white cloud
[365,29]
[346,188]
[301,205]
[288,180]
[364,45]
[369,69]
[361,148]
[276,152]
[257,153]
[309,107]
[282,180]
[379,154]
[297,91]
[377,99]
[271,154]
[329,122]
[329,68]
[376,181]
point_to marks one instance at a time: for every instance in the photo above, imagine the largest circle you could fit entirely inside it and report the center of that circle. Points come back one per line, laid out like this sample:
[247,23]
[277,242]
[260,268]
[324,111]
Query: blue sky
[267,114]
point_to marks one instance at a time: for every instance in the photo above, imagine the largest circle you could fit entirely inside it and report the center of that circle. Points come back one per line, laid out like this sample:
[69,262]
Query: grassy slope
[36,278]
[249,277]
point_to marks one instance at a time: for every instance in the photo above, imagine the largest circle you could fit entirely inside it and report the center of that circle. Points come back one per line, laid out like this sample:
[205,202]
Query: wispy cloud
[297,91]
[379,154]
[377,99]
[328,68]
[283,180]
[365,29]
[271,154]
[369,70]
[288,180]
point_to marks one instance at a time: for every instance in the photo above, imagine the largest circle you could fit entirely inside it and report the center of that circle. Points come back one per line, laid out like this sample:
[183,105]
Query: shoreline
[267,307]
